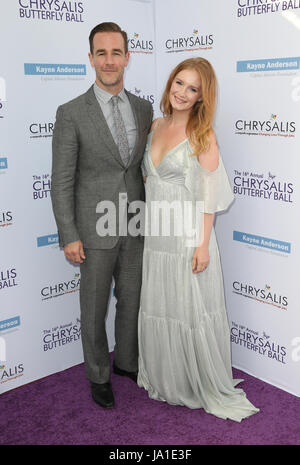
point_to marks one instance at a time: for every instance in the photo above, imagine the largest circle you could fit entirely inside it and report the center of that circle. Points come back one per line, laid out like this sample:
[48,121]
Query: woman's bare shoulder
[209,160]
[155,123]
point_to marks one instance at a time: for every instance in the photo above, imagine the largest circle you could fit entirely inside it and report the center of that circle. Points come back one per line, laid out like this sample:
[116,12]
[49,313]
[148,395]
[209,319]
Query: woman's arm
[209,161]
[201,255]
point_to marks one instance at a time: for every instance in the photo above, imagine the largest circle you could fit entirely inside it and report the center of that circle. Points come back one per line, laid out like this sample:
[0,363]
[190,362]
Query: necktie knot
[114,100]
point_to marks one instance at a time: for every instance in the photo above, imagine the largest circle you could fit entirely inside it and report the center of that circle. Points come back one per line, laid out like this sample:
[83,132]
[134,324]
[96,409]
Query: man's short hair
[108,27]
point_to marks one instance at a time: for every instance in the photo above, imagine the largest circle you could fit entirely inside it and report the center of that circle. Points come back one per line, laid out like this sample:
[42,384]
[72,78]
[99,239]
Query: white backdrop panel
[257,126]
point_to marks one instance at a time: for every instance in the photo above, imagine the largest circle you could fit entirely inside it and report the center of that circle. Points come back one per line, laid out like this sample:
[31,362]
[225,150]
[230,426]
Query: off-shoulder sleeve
[210,187]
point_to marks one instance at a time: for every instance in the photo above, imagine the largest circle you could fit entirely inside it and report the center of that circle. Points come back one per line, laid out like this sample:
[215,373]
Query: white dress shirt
[103,97]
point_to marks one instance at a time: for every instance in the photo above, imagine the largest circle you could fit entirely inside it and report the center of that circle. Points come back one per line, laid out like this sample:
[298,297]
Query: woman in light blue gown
[184,340]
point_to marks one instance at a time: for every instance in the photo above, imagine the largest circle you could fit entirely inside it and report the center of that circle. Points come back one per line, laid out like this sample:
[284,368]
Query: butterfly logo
[273,116]
[135,35]
[195,31]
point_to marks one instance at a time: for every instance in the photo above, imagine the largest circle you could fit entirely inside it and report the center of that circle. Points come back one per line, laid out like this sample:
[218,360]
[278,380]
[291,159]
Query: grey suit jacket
[87,167]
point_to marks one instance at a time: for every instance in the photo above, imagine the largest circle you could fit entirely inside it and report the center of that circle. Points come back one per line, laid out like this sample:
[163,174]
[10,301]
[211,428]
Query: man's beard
[117,80]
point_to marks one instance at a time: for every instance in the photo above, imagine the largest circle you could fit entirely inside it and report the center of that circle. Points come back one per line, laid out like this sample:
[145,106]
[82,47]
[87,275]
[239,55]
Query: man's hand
[74,252]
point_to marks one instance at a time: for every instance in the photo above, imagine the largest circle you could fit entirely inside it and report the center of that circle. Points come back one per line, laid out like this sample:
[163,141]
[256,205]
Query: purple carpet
[59,410]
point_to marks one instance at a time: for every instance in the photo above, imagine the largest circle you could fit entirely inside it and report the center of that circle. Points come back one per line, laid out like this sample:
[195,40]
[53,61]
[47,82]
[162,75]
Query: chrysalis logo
[193,41]
[2,349]
[50,10]
[263,294]
[2,90]
[262,127]
[137,44]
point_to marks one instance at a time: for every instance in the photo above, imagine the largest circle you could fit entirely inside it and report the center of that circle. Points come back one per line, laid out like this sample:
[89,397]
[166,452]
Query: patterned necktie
[122,141]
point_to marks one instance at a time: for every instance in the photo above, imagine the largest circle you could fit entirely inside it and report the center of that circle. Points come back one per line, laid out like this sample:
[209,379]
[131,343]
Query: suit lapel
[97,117]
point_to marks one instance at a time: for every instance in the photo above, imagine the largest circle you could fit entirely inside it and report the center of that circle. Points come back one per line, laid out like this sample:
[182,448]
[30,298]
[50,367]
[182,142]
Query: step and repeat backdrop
[253,46]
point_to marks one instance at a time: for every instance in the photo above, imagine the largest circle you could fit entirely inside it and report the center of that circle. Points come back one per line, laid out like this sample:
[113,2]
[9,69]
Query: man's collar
[105,96]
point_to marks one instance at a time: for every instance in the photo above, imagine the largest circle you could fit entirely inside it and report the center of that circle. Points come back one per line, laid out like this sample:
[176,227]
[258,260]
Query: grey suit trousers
[123,263]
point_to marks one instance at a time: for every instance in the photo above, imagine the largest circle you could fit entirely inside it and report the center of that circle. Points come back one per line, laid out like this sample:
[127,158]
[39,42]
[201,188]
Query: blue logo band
[47,240]
[260,241]
[10,323]
[42,69]
[268,64]
[3,163]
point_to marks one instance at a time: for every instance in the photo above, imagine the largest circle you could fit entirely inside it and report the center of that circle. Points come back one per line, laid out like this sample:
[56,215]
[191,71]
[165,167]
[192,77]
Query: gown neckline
[171,150]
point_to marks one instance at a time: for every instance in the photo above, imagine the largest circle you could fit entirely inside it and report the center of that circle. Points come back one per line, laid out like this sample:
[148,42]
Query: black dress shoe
[103,395]
[130,374]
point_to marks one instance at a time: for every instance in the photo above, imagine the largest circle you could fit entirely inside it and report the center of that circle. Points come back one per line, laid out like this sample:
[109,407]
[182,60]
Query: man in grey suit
[98,144]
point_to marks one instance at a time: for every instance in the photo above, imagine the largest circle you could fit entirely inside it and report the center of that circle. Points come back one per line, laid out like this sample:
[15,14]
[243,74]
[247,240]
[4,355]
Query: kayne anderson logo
[263,294]
[48,69]
[52,10]
[273,126]
[137,44]
[194,41]
[51,239]
[260,241]
[3,165]
[58,289]
[259,185]
[268,64]
[41,186]
[259,7]
[11,323]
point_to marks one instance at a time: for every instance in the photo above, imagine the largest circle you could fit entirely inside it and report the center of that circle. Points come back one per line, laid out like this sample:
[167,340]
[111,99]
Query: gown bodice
[180,168]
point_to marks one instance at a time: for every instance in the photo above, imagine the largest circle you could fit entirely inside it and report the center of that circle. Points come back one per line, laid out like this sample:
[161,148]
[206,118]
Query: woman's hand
[200,259]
